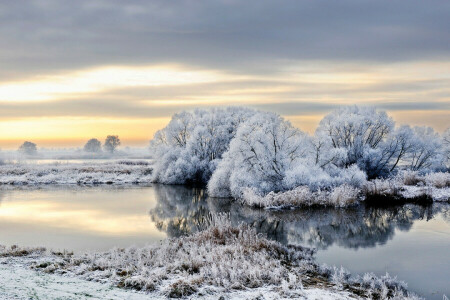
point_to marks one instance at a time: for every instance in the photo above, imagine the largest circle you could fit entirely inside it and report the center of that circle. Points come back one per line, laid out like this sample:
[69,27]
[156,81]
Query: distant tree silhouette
[28,148]
[93,146]
[111,143]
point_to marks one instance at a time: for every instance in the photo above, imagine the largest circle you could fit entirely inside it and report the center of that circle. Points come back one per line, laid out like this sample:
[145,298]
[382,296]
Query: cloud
[48,35]
[100,59]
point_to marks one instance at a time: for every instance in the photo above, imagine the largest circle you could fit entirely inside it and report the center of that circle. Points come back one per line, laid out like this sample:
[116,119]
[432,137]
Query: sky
[73,70]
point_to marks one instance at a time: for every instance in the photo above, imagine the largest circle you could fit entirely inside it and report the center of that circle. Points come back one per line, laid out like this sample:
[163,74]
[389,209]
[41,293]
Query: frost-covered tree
[325,154]
[269,155]
[357,130]
[111,143]
[446,144]
[427,151]
[264,149]
[93,146]
[237,151]
[189,148]
[372,142]
[28,148]
[391,152]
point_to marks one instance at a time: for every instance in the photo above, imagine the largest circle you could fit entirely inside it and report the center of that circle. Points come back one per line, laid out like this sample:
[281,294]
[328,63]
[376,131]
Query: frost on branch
[246,154]
[340,196]
[188,149]
[269,155]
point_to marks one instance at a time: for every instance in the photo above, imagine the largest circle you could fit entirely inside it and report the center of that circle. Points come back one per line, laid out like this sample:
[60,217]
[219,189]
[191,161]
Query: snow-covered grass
[120,172]
[340,196]
[410,186]
[221,259]
[406,187]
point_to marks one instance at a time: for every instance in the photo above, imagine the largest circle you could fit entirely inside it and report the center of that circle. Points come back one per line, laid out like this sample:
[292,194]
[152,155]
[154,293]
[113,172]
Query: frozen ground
[222,260]
[116,172]
[17,281]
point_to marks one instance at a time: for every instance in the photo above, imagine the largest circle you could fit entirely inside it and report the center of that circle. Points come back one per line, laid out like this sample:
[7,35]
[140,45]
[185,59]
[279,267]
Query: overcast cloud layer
[293,57]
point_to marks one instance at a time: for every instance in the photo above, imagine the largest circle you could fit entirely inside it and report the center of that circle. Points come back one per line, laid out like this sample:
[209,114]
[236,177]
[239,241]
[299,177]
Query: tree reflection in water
[181,210]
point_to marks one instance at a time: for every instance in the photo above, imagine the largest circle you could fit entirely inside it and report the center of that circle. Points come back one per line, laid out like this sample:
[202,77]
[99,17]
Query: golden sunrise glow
[60,129]
[57,87]
[70,216]
[137,114]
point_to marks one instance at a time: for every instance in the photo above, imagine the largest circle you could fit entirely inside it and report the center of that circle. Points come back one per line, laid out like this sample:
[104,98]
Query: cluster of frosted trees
[234,149]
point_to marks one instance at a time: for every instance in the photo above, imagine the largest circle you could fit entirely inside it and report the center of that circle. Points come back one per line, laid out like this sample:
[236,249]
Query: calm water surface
[411,242]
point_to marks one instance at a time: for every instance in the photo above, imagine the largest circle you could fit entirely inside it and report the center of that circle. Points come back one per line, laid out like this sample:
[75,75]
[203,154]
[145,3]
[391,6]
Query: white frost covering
[18,282]
[407,185]
[188,149]
[269,155]
[221,260]
[340,196]
[234,150]
[410,184]
[122,172]
[437,194]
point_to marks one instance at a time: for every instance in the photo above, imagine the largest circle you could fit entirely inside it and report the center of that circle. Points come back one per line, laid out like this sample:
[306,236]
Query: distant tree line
[92,146]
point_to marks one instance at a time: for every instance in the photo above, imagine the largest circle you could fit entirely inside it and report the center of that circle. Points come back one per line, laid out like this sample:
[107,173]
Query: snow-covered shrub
[432,179]
[383,187]
[15,251]
[437,179]
[409,177]
[340,276]
[188,149]
[344,195]
[301,196]
[411,186]
[352,175]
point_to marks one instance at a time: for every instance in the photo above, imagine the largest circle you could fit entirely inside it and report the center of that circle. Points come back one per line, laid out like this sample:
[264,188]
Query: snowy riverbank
[115,172]
[403,188]
[221,260]
[407,186]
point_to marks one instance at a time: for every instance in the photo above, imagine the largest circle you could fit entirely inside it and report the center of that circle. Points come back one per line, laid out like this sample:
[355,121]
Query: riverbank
[222,260]
[406,187]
